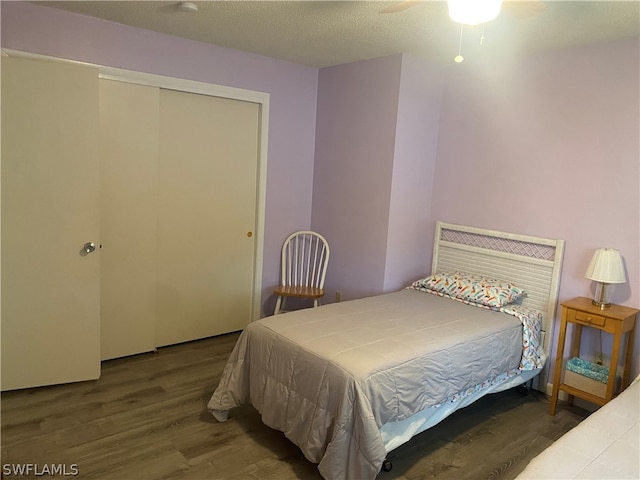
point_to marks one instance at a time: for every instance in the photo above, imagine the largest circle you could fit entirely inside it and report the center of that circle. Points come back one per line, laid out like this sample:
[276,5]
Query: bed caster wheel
[386,465]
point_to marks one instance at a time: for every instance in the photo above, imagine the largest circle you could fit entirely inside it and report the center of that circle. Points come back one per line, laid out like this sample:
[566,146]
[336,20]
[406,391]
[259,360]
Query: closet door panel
[129,188]
[50,209]
[208,173]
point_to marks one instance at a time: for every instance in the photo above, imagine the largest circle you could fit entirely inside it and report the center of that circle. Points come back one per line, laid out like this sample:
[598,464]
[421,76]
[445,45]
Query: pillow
[472,288]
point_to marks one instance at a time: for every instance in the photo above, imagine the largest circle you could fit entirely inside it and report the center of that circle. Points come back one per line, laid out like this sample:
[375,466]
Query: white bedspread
[330,377]
[606,445]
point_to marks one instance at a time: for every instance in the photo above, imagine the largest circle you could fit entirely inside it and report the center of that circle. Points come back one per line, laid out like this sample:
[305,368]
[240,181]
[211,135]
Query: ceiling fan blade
[400,6]
[523,8]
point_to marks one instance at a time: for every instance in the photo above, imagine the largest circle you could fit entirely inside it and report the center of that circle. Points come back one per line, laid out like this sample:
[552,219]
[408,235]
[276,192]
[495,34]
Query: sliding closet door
[50,210]
[206,215]
[129,188]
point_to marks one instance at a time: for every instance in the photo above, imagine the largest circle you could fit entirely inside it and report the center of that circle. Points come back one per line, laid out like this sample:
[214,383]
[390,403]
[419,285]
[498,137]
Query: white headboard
[532,263]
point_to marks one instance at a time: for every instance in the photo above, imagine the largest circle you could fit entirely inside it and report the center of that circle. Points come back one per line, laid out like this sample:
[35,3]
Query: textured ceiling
[328,33]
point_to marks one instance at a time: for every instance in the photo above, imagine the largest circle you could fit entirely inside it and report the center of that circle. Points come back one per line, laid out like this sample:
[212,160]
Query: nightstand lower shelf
[575,392]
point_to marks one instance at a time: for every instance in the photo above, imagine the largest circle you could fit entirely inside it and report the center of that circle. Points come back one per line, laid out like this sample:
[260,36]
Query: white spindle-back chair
[305,255]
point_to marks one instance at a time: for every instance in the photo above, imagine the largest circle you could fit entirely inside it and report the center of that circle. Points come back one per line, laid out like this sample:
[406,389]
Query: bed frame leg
[525,388]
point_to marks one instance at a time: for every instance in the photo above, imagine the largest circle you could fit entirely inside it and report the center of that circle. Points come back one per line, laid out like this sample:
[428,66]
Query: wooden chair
[305,255]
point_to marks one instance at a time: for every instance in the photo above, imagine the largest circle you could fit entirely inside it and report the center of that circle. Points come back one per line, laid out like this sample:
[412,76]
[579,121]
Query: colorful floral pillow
[472,288]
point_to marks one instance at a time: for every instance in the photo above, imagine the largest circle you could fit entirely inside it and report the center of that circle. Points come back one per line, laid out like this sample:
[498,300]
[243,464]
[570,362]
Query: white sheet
[606,445]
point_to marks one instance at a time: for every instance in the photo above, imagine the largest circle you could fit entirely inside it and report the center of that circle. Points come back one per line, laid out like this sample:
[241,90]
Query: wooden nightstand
[616,320]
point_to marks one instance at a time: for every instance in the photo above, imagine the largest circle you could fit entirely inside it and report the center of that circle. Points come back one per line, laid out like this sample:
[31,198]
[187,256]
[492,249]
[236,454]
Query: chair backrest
[305,255]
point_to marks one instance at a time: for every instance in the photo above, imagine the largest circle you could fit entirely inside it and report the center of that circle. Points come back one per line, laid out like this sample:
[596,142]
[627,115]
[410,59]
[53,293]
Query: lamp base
[602,305]
[601,299]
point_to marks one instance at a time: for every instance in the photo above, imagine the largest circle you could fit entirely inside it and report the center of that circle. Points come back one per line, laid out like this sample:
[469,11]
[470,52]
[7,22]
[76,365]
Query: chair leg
[278,305]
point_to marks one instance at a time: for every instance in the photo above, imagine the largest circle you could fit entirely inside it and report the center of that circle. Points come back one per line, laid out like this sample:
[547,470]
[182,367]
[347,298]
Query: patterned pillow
[472,288]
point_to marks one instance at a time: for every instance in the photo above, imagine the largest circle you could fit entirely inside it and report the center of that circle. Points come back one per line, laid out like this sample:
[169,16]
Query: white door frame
[191,86]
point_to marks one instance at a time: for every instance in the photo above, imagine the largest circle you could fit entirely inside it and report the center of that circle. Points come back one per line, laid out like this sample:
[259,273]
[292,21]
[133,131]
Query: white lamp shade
[473,12]
[606,266]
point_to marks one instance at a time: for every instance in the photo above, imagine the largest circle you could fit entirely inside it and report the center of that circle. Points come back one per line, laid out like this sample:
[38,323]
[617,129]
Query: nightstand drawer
[588,318]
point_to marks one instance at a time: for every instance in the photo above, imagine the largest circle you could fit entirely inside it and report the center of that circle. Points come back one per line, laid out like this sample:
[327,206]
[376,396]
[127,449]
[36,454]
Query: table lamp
[606,267]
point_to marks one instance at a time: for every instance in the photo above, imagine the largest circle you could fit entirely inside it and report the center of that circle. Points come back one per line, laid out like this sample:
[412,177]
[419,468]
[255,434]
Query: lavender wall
[376,140]
[410,227]
[548,146]
[355,133]
[292,90]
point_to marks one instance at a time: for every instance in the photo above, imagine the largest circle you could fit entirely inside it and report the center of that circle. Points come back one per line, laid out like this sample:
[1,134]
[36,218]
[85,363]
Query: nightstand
[616,320]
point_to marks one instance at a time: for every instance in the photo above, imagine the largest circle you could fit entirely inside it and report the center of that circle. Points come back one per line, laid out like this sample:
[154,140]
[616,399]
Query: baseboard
[561,395]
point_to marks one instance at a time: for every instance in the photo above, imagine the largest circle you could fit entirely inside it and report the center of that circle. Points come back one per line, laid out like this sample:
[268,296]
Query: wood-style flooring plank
[146,418]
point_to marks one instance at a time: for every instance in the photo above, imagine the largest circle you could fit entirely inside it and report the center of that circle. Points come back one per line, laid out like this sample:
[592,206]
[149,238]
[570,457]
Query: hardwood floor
[146,418]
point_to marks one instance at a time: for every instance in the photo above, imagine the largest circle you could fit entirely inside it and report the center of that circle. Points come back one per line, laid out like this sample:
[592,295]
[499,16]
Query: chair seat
[299,291]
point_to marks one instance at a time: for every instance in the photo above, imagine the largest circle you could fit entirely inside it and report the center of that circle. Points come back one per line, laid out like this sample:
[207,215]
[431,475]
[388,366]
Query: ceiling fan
[516,8]
[476,12]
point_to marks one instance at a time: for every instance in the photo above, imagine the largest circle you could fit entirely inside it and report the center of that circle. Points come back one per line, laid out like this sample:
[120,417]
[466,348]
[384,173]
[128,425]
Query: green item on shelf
[588,369]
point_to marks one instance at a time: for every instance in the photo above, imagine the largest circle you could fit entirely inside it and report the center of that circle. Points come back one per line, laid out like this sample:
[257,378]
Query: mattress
[606,445]
[331,377]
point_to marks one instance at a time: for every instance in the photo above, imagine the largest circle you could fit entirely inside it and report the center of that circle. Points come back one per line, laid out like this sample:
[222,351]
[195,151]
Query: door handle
[89,247]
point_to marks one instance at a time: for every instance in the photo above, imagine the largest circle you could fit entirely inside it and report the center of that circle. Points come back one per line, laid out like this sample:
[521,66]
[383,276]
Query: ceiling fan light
[473,12]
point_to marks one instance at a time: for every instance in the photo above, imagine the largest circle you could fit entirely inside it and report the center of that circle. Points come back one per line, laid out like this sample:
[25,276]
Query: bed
[604,445]
[349,382]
